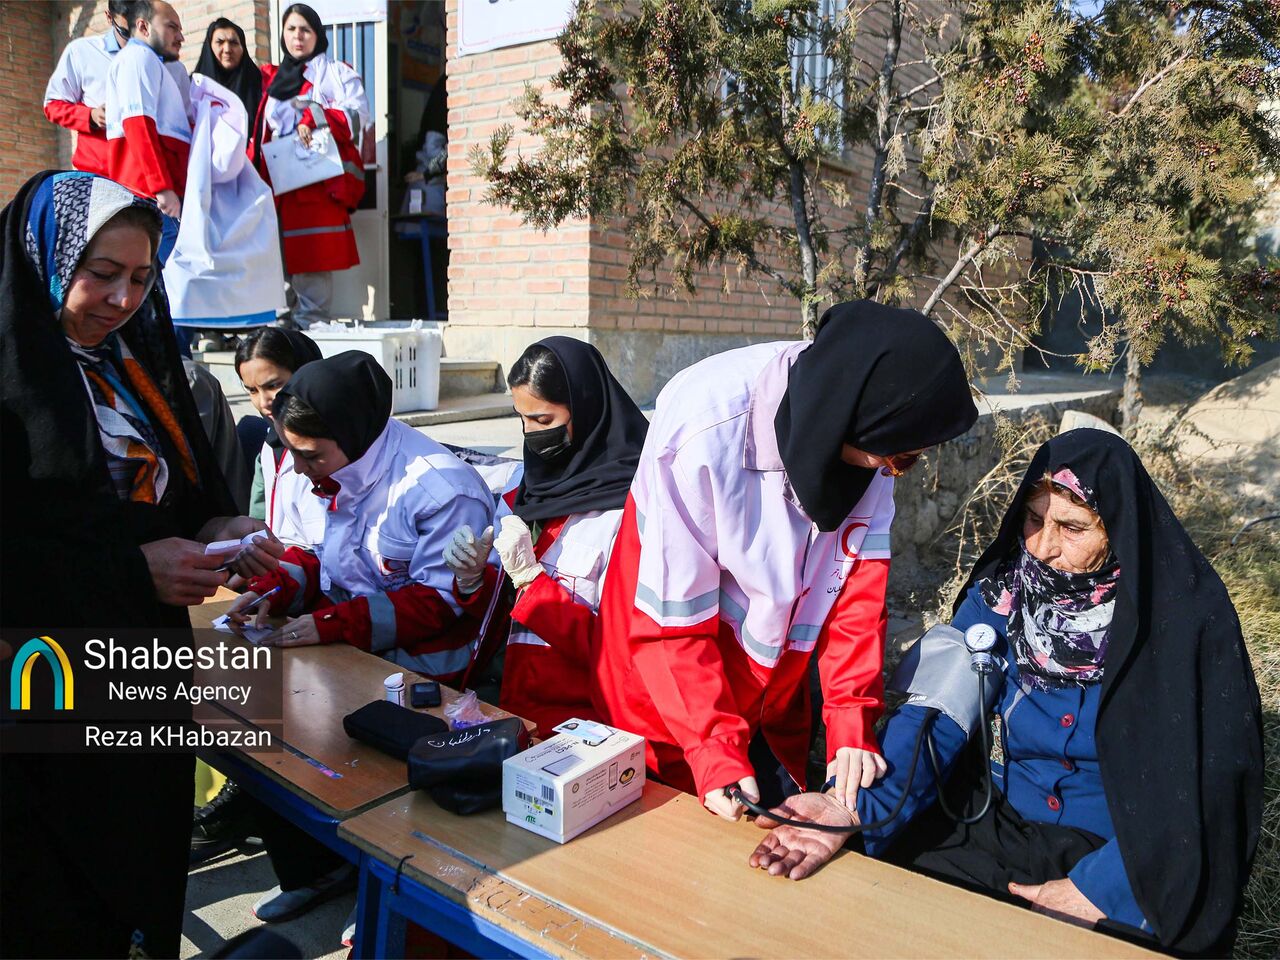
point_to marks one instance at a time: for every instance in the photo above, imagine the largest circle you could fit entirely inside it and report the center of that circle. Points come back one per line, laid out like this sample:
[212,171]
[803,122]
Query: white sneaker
[349,929]
[277,906]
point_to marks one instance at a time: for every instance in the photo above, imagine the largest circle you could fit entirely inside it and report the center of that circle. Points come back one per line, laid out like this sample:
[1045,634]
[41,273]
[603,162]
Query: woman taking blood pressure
[755,537]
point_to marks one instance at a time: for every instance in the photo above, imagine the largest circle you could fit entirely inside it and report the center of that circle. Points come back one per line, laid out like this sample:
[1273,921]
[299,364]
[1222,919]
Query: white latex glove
[515,546]
[466,555]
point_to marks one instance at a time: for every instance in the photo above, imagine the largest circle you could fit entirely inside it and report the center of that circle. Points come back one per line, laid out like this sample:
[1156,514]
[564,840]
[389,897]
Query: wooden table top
[665,878]
[322,684]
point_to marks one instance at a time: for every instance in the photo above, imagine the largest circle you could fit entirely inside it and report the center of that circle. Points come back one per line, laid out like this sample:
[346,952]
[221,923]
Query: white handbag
[293,165]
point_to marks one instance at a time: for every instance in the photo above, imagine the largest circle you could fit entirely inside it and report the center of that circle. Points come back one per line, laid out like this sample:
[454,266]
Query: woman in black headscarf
[111,492]
[1130,790]
[757,536]
[225,58]
[265,361]
[582,440]
[315,222]
[392,497]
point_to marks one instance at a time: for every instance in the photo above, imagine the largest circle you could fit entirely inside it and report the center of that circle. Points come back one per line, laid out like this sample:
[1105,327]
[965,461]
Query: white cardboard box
[571,782]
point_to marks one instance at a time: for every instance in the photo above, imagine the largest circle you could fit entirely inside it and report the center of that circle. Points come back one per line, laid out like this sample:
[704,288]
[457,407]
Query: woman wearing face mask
[111,492]
[582,439]
[315,221]
[1130,788]
[265,361]
[392,498]
[756,536]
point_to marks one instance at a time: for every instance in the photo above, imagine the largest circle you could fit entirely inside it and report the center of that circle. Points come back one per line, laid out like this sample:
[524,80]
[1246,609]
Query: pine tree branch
[875,192]
[959,267]
[755,262]
[908,239]
[1152,81]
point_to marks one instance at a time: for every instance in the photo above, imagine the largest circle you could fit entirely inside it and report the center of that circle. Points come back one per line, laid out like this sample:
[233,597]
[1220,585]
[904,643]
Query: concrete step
[463,377]
[487,406]
[459,376]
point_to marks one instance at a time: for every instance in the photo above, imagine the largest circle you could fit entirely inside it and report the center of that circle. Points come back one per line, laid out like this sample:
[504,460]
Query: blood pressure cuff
[463,769]
[391,728]
[936,673]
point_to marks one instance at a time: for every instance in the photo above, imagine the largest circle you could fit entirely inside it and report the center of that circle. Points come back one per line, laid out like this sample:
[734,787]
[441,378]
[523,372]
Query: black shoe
[229,815]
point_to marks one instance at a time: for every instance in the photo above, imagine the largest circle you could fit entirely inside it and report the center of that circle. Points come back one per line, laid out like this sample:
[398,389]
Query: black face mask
[548,444]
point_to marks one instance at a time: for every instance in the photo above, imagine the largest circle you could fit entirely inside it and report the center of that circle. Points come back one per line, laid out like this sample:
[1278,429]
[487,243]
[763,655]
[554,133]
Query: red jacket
[315,221]
[644,675]
[425,624]
[546,673]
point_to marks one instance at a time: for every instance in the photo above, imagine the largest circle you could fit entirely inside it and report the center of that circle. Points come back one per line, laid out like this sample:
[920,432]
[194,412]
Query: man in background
[76,97]
[148,113]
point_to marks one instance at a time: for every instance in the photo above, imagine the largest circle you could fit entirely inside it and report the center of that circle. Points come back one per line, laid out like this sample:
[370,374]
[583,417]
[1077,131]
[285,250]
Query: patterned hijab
[65,213]
[1179,727]
[1058,621]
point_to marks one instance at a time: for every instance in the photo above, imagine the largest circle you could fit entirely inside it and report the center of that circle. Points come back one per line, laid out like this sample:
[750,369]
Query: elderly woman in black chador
[110,493]
[1130,789]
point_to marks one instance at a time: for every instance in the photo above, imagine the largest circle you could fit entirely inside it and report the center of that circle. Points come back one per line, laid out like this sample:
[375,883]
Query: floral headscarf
[1058,621]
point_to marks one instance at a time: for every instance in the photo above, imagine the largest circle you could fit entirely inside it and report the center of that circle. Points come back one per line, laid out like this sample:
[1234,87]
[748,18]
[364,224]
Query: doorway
[417,118]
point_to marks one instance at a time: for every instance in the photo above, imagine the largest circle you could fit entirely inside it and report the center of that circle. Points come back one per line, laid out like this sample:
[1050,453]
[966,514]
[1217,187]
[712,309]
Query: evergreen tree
[1130,139]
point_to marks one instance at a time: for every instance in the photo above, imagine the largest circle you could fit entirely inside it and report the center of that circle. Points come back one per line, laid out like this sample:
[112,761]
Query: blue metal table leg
[408,899]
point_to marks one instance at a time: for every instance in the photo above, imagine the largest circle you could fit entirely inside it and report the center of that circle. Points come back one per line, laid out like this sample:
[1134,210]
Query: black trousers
[297,858]
[986,856]
[1002,847]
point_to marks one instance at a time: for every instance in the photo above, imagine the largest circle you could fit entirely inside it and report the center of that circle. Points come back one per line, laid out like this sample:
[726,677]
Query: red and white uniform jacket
[78,84]
[546,672]
[148,122]
[295,515]
[378,580]
[315,222]
[720,588]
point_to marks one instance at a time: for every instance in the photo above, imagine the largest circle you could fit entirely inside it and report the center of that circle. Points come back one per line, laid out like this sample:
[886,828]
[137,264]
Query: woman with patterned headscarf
[1129,791]
[111,493]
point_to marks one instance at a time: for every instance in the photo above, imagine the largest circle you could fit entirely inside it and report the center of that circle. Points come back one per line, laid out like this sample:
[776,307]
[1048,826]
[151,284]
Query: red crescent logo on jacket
[847,550]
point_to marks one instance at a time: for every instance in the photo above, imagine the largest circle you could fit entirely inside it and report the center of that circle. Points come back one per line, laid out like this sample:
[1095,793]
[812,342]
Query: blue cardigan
[1050,772]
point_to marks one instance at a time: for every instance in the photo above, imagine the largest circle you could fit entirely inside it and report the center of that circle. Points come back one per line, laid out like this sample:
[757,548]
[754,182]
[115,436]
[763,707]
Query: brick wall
[501,273]
[28,141]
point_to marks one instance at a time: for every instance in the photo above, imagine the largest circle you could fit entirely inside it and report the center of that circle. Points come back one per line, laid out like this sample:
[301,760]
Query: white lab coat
[294,514]
[225,269]
[396,512]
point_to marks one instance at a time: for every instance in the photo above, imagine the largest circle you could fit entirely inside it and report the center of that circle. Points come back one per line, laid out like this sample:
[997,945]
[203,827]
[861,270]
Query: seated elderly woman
[1128,792]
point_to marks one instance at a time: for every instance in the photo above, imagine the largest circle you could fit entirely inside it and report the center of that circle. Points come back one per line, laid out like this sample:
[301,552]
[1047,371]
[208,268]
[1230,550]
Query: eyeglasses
[899,463]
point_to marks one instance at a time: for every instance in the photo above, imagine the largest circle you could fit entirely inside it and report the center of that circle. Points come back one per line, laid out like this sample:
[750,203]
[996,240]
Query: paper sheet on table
[251,633]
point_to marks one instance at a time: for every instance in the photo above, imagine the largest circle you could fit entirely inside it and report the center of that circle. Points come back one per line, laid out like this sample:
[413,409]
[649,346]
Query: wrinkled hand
[854,768]
[794,851]
[258,558]
[170,204]
[181,572]
[515,546]
[98,117]
[301,632]
[304,134]
[1061,899]
[719,802]
[466,555]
